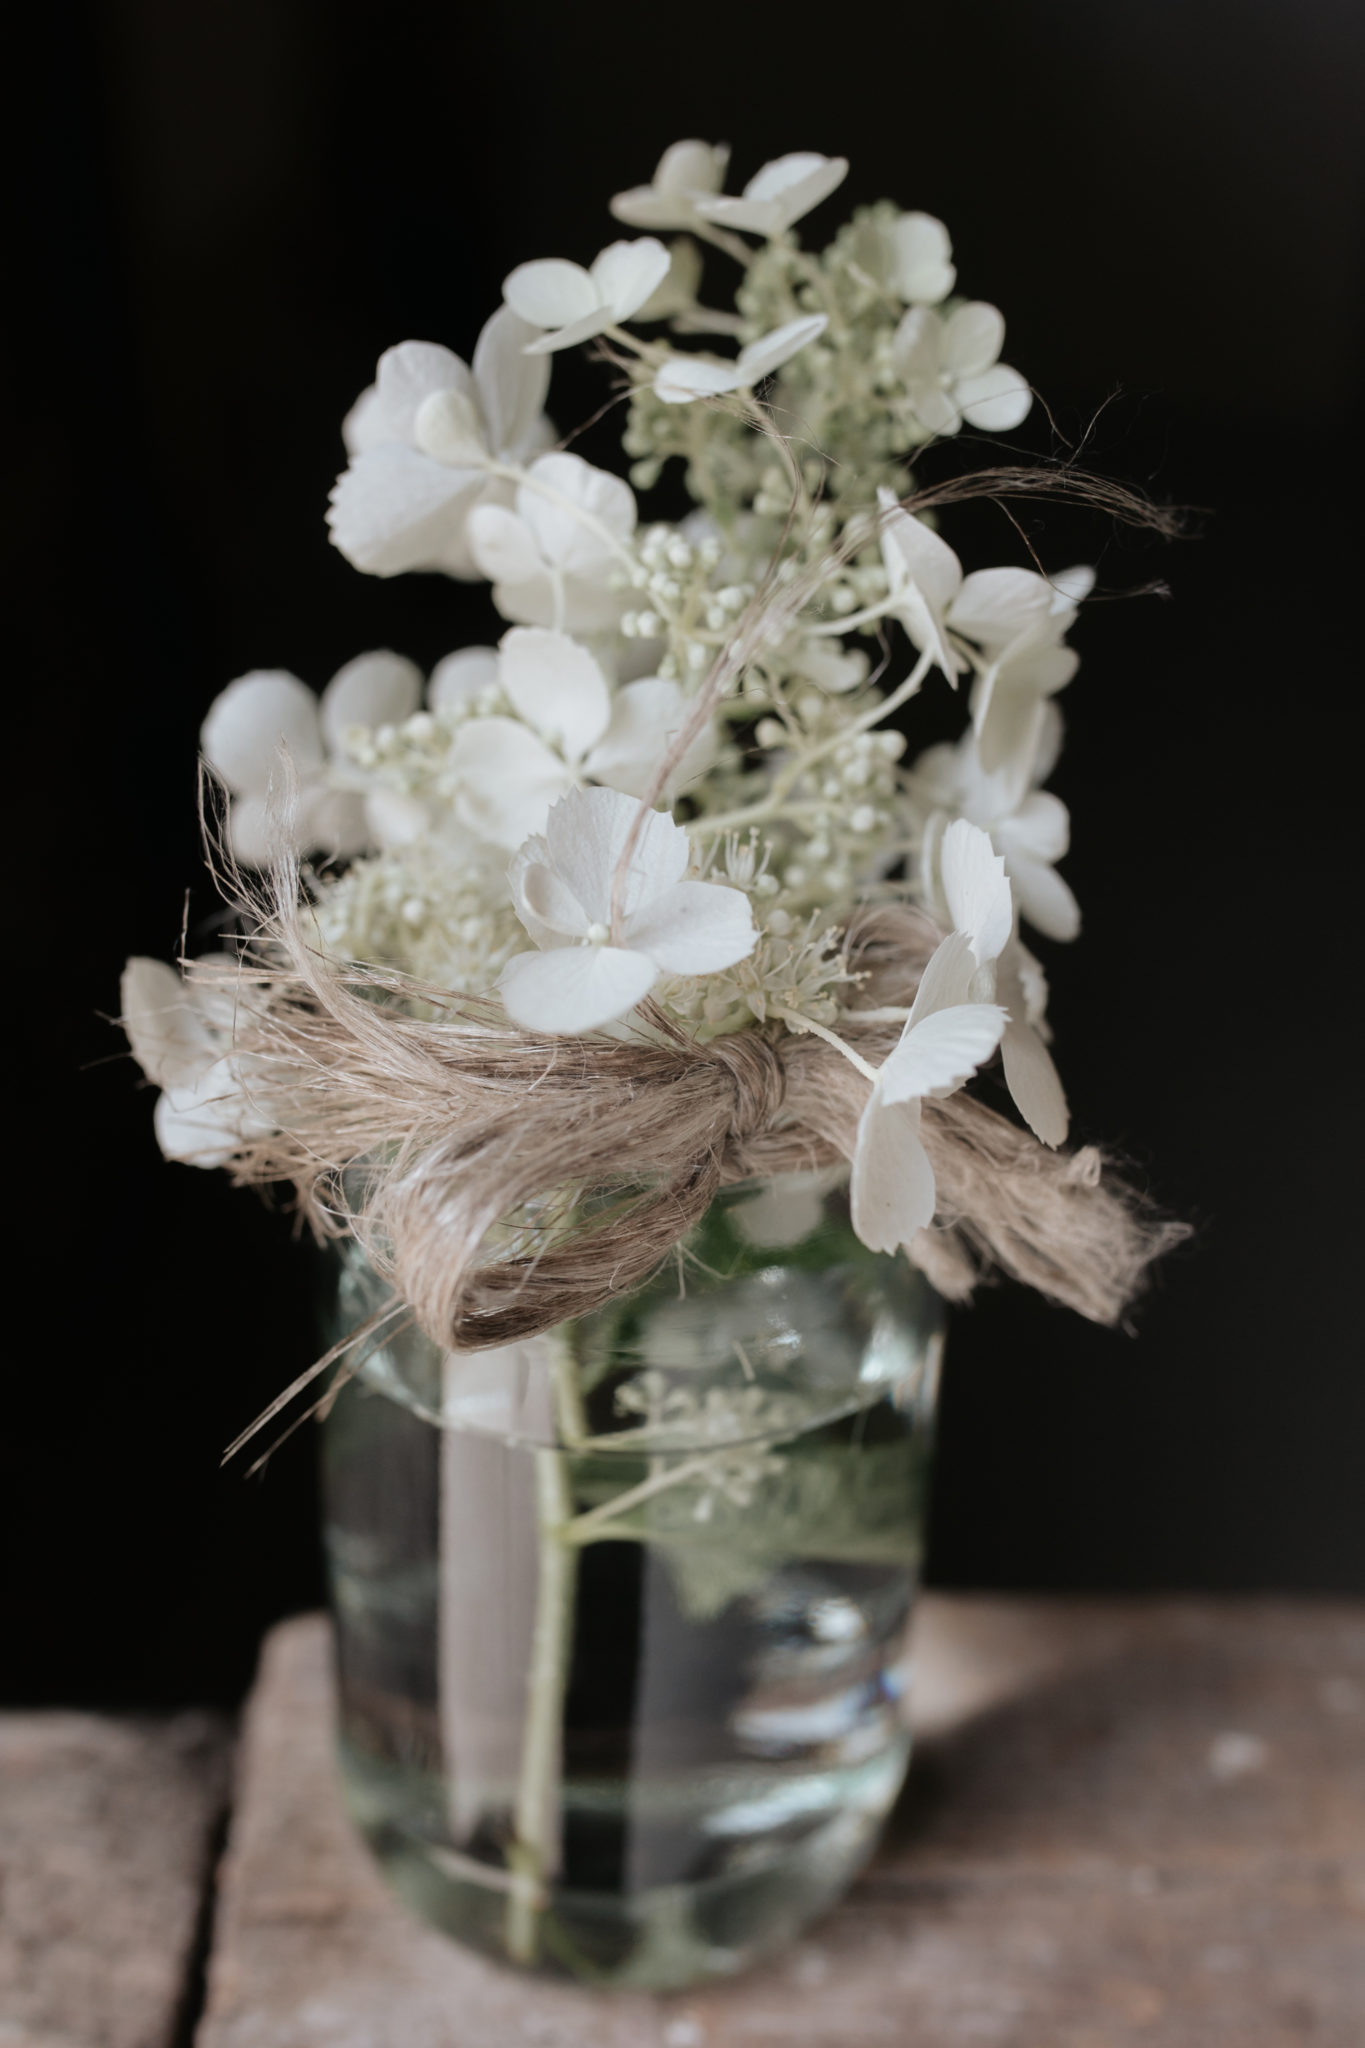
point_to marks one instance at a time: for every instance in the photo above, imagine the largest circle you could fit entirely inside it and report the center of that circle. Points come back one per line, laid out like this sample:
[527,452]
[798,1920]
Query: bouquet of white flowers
[535,954]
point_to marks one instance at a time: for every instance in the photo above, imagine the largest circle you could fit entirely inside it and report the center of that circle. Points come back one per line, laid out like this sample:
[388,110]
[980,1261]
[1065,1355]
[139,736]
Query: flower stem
[535,1816]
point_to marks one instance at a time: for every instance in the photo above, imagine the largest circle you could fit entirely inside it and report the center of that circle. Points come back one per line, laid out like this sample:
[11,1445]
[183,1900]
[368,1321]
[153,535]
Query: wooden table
[1130,1824]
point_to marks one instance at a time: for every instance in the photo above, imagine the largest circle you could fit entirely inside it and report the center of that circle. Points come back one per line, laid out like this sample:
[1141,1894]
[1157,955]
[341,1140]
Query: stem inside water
[534,1850]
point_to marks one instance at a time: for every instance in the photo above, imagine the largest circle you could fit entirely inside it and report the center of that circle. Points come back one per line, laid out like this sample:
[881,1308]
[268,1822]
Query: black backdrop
[225,209]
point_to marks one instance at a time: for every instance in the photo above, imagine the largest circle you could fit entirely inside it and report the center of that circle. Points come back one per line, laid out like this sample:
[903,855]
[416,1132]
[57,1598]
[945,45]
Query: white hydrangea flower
[951,370]
[977,893]
[418,440]
[556,558]
[923,576]
[562,889]
[686,172]
[1029,826]
[258,714]
[911,254]
[779,195]
[946,1038]
[181,1037]
[1012,617]
[568,729]
[1020,626]
[574,303]
[682,378]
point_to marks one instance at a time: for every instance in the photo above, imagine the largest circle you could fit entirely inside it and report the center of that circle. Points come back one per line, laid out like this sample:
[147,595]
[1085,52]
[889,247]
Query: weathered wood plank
[1131,1825]
[106,1830]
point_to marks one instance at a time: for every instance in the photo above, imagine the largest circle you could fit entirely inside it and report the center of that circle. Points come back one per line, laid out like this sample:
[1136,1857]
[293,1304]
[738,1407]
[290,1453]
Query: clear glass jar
[621,1611]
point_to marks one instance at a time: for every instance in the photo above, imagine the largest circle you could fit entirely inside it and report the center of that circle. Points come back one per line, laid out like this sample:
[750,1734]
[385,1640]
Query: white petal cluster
[574,304]
[682,378]
[557,555]
[709,855]
[267,726]
[952,373]
[424,442]
[211,1102]
[598,958]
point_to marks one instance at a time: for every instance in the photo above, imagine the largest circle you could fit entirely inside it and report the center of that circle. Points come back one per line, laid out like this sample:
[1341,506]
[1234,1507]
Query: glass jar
[621,1610]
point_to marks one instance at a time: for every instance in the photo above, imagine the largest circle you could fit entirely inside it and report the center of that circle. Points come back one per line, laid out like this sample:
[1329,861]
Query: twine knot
[758,1086]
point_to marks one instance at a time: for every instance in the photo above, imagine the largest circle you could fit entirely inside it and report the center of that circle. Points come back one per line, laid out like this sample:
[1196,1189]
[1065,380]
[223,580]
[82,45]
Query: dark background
[223,213]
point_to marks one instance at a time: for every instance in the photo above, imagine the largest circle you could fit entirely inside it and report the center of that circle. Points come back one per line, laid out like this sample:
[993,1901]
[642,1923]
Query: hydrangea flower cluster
[582,818]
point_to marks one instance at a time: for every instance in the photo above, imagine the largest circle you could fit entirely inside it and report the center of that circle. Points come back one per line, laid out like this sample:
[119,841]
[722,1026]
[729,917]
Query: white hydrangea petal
[919,555]
[1072,586]
[533,602]
[973,336]
[921,270]
[1048,745]
[1034,1083]
[334,821]
[1039,828]
[406,375]
[586,834]
[169,1039]
[204,1124]
[802,176]
[891,1191]
[461,676]
[543,900]
[394,818]
[994,607]
[779,194]
[574,988]
[769,353]
[685,172]
[396,509]
[381,688]
[1008,724]
[1040,671]
[508,778]
[937,410]
[556,686]
[924,576]
[251,719]
[628,273]
[253,830]
[996,401]
[945,981]
[976,889]
[449,428]
[571,335]
[916,345]
[830,666]
[677,294]
[694,928]
[366,425]
[503,545]
[680,379]
[572,487]
[937,777]
[641,206]
[551,292]
[646,717]
[941,1051]
[512,385]
[1044,898]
